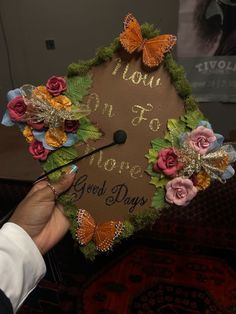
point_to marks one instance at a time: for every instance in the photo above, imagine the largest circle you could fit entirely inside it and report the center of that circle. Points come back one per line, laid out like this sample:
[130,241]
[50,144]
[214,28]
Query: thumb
[66,180]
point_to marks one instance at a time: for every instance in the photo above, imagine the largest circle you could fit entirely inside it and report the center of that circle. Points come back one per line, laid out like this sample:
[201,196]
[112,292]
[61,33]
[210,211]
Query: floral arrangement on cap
[187,160]
[50,116]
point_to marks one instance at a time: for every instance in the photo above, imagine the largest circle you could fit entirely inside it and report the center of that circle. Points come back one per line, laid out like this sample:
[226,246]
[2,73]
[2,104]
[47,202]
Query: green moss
[148,217]
[149,30]
[103,54]
[128,230]
[89,251]
[70,210]
[191,103]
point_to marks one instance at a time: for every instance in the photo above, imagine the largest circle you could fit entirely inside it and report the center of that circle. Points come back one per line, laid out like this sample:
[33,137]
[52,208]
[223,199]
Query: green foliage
[152,155]
[58,158]
[141,220]
[160,143]
[178,78]
[103,54]
[149,30]
[128,230]
[192,118]
[89,251]
[150,171]
[87,131]
[176,128]
[158,200]
[77,88]
[159,181]
[191,103]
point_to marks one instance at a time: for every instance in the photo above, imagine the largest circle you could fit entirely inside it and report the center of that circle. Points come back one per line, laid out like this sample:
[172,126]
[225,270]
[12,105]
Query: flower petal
[13,93]
[229,172]
[205,123]
[71,139]
[6,120]
[39,135]
[217,143]
[230,151]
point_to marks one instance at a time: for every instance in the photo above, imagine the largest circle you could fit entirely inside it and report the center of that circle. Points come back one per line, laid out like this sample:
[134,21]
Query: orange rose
[55,137]
[61,102]
[27,132]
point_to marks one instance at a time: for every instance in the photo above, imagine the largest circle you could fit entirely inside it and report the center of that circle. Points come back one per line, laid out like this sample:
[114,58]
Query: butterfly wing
[154,49]
[106,233]
[131,38]
[86,227]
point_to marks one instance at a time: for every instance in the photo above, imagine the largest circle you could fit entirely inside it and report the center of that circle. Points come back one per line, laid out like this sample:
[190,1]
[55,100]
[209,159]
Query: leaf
[158,181]
[77,88]
[160,143]
[151,172]
[192,118]
[176,128]
[87,131]
[158,200]
[152,155]
[58,158]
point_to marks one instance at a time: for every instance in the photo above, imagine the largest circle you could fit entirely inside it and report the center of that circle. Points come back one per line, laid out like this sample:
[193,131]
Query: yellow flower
[42,93]
[61,102]
[55,137]
[221,163]
[27,132]
[203,180]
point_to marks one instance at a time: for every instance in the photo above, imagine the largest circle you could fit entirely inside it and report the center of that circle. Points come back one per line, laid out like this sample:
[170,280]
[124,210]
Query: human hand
[39,214]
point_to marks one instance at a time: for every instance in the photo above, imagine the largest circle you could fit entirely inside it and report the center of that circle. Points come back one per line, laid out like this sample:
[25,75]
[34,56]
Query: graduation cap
[128,118]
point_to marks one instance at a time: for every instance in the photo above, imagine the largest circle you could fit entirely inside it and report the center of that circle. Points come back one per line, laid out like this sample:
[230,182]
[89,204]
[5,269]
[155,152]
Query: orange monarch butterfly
[153,49]
[103,234]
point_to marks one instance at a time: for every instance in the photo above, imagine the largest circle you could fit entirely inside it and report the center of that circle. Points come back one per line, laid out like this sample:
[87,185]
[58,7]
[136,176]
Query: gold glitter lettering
[118,65]
[108,109]
[94,104]
[154,125]
[136,172]
[136,77]
[140,110]
[123,165]
[93,101]
[110,164]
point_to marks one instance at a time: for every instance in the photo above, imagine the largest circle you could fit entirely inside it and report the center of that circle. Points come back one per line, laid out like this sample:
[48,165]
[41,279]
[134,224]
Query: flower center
[202,142]
[180,193]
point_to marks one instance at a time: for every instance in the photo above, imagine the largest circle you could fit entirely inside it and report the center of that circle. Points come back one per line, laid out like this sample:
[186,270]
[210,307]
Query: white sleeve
[21,264]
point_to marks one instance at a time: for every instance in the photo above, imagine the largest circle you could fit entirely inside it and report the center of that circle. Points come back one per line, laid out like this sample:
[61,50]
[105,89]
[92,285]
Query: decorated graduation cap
[128,118]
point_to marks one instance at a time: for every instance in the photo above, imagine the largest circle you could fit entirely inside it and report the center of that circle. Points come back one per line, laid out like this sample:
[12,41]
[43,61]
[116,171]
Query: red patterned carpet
[144,280]
[150,280]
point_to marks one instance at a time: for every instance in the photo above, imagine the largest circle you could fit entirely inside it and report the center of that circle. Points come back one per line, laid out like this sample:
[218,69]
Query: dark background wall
[78,27]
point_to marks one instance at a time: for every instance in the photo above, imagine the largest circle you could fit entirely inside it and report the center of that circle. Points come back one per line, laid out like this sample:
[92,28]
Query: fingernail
[72,169]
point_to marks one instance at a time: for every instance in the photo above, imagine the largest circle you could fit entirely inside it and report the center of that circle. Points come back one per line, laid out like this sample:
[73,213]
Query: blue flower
[205,123]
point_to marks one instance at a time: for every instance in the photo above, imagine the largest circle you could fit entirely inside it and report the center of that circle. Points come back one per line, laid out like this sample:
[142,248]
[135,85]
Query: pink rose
[200,139]
[16,108]
[71,126]
[38,151]
[167,162]
[180,191]
[56,85]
